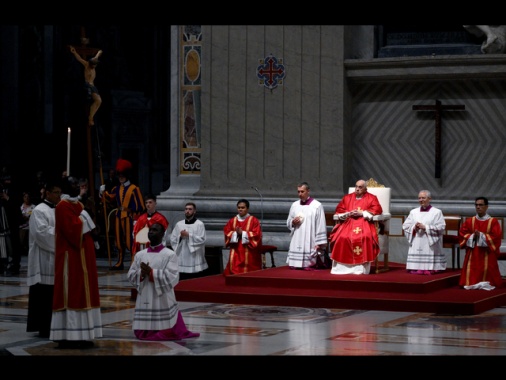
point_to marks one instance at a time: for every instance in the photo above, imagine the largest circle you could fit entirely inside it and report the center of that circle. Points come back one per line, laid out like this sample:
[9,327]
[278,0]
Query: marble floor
[249,330]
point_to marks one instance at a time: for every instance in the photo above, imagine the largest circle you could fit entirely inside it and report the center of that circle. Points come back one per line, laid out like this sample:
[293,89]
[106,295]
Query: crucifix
[83,50]
[83,54]
[438,109]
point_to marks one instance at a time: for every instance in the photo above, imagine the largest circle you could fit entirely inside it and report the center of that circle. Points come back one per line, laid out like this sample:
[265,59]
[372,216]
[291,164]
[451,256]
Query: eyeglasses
[480,204]
[56,192]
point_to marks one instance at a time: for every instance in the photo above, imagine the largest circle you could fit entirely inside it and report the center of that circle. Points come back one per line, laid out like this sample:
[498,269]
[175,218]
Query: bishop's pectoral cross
[438,109]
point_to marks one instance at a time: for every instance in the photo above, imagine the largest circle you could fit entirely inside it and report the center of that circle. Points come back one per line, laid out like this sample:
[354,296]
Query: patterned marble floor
[249,330]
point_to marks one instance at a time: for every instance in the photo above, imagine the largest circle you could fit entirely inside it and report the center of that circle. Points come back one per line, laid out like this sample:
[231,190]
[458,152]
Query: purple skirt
[177,332]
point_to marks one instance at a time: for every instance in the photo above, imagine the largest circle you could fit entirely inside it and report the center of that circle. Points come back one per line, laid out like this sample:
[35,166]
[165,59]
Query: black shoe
[66,344]
[86,344]
[75,344]
[43,334]
[13,270]
[117,267]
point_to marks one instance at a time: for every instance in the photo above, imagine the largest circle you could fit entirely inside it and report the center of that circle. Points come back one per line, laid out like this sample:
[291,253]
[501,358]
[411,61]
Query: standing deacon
[76,318]
[481,236]
[243,236]
[188,239]
[308,230]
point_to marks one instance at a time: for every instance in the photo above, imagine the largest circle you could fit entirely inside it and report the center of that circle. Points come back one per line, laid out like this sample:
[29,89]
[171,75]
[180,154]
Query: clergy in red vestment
[243,235]
[481,236]
[145,221]
[354,240]
[76,300]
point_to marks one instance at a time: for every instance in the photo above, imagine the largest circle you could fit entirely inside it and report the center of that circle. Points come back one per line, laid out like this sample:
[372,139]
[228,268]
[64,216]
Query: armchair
[451,237]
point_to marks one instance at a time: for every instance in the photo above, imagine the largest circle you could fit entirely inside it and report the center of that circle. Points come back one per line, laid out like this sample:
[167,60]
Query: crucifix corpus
[438,108]
[82,55]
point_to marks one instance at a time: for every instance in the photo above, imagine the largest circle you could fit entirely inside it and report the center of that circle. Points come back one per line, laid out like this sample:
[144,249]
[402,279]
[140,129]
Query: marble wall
[339,115]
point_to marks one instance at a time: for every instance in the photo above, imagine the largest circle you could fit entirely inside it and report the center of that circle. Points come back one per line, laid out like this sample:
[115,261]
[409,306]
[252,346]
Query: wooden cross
[83,50]
[438,109]
[86,52]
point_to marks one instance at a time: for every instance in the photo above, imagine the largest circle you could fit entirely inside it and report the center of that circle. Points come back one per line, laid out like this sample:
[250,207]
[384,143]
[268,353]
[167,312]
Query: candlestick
[68,153]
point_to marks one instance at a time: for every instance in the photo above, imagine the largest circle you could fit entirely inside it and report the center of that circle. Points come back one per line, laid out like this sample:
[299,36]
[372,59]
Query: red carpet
[394,290]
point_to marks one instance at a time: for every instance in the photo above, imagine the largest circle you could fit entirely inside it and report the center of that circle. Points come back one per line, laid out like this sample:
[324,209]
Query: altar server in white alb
[40,274]
[308,230]
[154,272]
[188,239]
[424,229]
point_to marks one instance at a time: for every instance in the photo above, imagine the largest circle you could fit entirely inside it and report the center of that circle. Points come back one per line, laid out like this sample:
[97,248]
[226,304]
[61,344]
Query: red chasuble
[355,241]
[243,258]
[480,263]
[75,273]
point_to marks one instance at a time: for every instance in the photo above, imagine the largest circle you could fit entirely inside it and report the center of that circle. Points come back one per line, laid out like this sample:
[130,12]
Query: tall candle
[68,153]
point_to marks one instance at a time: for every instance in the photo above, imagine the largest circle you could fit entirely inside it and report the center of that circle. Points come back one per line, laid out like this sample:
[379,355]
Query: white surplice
[304,238]
[191,251]
[156,307]
[425,246]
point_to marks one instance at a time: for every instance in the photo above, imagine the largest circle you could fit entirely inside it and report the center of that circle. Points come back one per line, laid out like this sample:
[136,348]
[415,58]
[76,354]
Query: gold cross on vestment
[357,250]
[357,230]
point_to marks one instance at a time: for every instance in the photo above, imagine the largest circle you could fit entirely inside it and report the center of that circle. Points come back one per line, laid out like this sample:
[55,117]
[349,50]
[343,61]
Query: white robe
[191,251]
[425,247]
[304,238]
[41,242]
[156,307]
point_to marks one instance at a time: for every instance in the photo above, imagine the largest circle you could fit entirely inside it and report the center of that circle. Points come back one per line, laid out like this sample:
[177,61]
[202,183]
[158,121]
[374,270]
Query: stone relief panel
[190,123]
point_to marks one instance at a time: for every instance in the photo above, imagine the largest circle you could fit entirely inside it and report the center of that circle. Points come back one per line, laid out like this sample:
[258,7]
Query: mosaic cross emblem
[271,72]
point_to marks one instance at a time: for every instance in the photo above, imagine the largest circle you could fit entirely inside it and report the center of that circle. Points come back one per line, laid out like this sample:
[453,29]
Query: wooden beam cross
[84,50]
[438,109]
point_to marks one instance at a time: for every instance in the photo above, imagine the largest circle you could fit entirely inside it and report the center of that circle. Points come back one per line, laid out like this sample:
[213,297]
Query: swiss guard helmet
[123,167]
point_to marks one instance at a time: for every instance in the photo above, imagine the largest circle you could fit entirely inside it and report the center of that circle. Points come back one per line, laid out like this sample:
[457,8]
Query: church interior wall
[396,145]
[337,118]
[271,138]
[340,113]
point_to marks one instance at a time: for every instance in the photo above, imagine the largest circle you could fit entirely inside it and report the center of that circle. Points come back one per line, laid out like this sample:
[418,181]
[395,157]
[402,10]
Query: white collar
[241,218]
[484,217]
